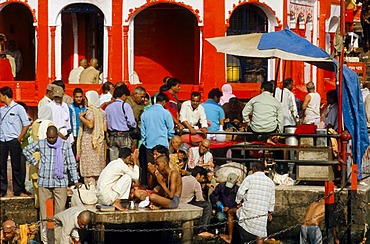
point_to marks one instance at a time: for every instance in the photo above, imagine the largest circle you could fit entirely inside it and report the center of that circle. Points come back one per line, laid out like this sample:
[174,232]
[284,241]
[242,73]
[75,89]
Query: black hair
[259,166]
[77,90]
[162,97]
[59,83]
[287,82]
[106,86]
[195,94]
[124,152]
[268,86]
[6,91]
[215,92]
[161,149]
[332,94]
[172,82]
[163,88]
[199,170]
[120,91]
[165,79]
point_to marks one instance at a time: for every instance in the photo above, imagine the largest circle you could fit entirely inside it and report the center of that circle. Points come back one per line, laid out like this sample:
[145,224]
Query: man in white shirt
[61,118]
[311,105]
[106,97]
[116,179]
[192,114]
[256,196]
[48,96]
[69,222]
[266,113]
[200,156]
[74,75]
[288,104]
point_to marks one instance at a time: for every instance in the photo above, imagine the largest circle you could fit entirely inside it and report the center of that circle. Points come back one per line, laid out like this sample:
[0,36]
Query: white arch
[333,24]
[56,8]
[131,6]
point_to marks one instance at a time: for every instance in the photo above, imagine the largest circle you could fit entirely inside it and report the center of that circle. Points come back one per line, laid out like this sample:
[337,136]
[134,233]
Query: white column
[201,54]
[130,50]
[105,54]
[58,49]
[75,40]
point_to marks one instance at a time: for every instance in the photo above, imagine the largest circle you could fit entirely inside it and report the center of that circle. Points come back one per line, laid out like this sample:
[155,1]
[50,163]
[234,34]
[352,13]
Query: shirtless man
[310,230]
[168,191]
[9,233]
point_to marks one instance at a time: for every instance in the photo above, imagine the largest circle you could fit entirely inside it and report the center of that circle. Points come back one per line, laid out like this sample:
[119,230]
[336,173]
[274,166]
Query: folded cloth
[145,203]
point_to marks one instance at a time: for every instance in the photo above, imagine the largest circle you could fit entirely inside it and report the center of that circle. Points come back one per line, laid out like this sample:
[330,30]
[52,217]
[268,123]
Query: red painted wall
[67,46]
[166,43]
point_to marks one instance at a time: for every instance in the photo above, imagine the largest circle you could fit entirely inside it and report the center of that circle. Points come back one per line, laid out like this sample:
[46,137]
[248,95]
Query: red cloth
[216,144]
[5,70]
[172,104]
[306,129]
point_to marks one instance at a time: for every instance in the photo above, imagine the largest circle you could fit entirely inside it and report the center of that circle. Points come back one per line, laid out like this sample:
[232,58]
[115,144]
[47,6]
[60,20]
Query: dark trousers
[240,235]
[18,168]
[206,216]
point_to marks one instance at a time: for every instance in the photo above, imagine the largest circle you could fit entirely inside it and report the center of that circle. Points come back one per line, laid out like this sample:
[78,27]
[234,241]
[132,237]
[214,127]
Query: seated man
[192,115]
[168,191]
[192,194]
[68,222]
[200,156]
[9,233]
[115,180]
[223,199]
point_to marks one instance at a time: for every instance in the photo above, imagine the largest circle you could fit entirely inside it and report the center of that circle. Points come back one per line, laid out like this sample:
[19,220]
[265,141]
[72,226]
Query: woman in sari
[90,142]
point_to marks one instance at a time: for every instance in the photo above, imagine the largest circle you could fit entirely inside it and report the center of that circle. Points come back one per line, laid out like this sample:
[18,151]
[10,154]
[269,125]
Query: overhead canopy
[283,44]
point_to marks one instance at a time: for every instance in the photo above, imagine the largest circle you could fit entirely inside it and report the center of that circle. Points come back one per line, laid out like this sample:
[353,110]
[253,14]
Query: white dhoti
[120,190]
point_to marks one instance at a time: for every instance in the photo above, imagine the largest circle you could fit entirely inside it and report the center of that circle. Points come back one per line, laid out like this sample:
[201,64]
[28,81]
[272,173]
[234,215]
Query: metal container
[132,205]
[291,140]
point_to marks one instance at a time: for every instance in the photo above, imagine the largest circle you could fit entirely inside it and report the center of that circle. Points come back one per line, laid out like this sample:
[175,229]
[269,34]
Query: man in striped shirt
[257,196]
[56,157]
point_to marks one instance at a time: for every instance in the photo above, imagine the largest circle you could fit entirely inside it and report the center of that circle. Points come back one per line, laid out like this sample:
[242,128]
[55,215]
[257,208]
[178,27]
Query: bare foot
[269,141]
[205,235]
[225,238]
[153,207]
[117,204]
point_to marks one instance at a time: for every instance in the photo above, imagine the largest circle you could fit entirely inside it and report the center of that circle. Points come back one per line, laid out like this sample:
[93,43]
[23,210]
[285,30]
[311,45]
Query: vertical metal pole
[50,224]
[329,211]
[277,75]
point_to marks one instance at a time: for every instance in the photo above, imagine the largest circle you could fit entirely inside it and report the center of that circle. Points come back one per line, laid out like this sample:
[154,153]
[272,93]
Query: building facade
[158,38]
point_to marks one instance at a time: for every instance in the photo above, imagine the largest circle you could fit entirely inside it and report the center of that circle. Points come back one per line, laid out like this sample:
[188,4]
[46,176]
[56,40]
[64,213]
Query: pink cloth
[227,93]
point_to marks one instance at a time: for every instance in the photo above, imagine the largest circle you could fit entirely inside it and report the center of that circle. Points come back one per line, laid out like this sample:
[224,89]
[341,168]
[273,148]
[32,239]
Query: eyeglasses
[206,147]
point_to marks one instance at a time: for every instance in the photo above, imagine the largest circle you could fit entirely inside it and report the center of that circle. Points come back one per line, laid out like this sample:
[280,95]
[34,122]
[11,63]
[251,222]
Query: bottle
[18,92]
[221,137]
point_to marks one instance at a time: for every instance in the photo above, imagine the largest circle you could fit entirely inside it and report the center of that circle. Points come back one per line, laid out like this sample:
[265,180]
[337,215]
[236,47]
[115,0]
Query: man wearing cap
[311,105]
[48,96]
[61,117]
[14,124]
[192,194]
[179,160]
[223,200]
[116,179]
[256,196]
[9,233]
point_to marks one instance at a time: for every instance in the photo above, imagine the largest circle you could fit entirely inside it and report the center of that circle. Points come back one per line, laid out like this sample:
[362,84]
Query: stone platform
[291,205]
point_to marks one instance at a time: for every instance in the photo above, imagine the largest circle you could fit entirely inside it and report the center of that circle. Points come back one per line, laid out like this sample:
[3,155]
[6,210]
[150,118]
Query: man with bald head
[175,143]
[74,75]
[56,157]
[311,105]
[69,222]
[9,233]
[91,74]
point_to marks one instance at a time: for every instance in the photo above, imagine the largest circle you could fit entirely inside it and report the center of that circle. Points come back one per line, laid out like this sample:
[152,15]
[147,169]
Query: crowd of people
[133,146]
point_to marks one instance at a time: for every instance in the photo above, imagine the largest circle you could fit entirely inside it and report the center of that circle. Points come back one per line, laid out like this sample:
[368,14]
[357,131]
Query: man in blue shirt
[157,127]
[120,119]
[214,112]
[14,124]
[75,109]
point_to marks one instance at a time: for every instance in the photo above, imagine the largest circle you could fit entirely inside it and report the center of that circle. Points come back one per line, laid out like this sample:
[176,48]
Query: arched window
[247,19]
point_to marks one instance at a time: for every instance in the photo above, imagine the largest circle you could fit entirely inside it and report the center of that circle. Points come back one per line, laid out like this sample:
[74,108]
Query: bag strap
[79,194]
[123,109]
[1,121]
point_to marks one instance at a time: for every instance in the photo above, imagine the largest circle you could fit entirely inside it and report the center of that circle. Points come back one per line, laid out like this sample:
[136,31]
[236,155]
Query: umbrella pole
[276,75]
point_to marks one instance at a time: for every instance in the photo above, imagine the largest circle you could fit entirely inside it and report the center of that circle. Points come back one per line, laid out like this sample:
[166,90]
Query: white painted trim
[131,58]
[58,50]
[75,40]
[130,5]
[105,54]
[200,55]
